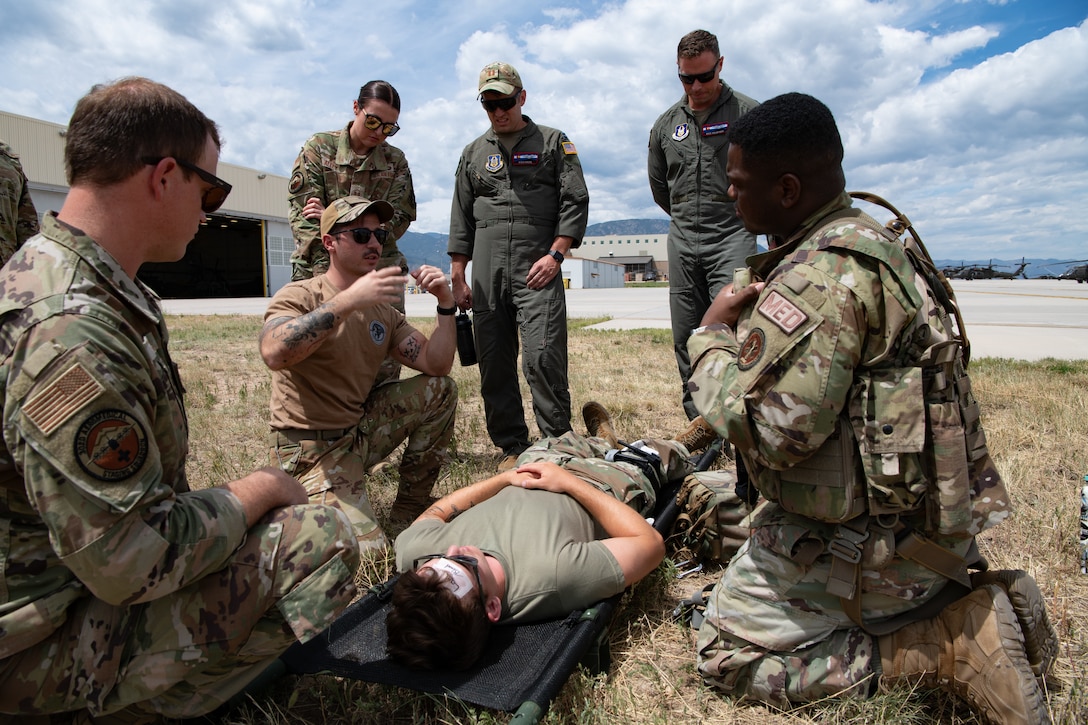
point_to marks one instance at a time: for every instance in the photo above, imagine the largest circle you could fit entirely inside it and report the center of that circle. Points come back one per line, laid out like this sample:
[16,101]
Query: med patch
[783,313]
[111,445]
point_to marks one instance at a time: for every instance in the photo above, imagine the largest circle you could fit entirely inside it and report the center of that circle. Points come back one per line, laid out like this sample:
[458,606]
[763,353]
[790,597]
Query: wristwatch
[556,255]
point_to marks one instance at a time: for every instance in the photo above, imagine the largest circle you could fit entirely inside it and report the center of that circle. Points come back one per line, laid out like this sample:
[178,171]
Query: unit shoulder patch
[111,445]
[296,183]
[752,349]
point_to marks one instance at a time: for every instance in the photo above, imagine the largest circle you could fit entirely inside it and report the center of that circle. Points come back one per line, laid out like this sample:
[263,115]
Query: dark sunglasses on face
[213,197]
[374,123]
[493,104]
[361,235]
[469,562]
[688,80]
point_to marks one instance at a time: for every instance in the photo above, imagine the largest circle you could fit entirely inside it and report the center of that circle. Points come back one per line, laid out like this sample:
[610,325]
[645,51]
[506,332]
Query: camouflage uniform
[18,218]
[331,423]
[327,168]
[686,166]
[846,343]
[508,208]
[120,585]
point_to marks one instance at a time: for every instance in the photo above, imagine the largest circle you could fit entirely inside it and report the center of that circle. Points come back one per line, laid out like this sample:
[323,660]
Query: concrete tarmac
[1022,319]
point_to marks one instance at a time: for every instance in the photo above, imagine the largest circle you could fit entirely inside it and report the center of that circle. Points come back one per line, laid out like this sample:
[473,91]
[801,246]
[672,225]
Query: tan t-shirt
[328,389]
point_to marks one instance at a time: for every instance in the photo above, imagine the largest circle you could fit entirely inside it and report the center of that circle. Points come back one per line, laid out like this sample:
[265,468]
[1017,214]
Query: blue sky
[970,116]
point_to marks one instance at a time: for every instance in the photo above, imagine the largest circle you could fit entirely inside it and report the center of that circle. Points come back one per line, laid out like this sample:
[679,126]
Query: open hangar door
[225,259]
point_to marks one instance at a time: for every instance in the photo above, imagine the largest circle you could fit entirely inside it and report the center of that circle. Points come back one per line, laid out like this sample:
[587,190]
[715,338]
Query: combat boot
[1040,639]
[599,423]
[697,436]
[974,649]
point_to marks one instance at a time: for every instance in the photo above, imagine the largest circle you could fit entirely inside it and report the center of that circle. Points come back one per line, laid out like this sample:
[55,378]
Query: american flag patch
[568,148]
[50,408]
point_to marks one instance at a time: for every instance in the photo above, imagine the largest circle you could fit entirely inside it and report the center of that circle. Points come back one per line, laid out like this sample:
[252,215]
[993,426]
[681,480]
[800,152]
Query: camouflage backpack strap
[923,263]
[844,580]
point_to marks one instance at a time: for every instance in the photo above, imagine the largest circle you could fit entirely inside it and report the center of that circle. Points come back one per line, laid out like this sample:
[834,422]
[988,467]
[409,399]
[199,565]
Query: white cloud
[983,154]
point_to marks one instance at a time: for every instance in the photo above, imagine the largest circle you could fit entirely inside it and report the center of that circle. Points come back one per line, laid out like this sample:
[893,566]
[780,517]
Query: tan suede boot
[973,649]
[1040,639]
[599,423]
[696,436]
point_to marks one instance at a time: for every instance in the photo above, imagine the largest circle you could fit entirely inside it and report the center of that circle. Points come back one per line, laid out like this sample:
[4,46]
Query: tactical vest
[909,443]
[908,459]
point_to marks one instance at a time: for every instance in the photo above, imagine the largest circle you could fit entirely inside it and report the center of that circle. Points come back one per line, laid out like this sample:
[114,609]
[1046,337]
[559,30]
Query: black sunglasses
[361,235]
[469,562]
[213,197]
[687,80]
[374,123]
[493,104]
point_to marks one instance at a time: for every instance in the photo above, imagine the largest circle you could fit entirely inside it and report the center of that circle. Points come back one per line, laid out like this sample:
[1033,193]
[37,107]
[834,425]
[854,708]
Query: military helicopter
[1079,273]
[985,272]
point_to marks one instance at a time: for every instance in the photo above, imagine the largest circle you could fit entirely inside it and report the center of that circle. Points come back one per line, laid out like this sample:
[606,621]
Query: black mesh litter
[523,663]
[529,662]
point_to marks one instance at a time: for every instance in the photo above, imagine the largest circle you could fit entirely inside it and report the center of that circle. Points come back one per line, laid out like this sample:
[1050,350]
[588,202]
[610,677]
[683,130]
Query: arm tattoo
[411,348]
[304,331]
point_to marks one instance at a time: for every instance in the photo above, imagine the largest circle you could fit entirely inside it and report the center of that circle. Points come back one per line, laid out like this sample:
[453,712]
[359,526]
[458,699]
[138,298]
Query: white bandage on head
[458,580]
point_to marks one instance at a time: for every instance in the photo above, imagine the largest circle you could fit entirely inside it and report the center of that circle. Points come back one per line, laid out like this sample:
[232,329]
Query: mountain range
[430,248]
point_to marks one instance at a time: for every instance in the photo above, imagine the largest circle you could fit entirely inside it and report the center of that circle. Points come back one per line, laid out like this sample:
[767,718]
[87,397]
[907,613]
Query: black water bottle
[466,346]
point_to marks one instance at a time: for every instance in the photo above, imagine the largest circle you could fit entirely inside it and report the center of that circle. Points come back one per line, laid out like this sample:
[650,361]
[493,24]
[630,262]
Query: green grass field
[1036,418]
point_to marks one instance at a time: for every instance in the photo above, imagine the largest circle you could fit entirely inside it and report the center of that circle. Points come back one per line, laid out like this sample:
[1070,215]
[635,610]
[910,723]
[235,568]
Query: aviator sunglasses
[688,80]
[212,198]
[373,123]
[469,562]
[361,235]
[494,104]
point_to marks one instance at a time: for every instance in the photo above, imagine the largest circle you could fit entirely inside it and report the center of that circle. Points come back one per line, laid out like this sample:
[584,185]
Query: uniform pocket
[950,499]
[888,416]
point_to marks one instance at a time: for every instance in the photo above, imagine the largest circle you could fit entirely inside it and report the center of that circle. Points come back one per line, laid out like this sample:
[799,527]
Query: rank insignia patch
[111,445]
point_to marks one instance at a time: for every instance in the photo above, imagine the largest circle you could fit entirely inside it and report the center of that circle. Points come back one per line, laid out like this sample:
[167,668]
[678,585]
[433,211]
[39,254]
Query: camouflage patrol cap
[349,208]
[499,77]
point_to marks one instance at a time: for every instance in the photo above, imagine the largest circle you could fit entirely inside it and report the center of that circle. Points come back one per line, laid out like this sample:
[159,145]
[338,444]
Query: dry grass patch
[1036,417]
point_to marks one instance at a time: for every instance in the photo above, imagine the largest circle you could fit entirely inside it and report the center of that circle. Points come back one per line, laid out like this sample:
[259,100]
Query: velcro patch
[50,408]
[111,445]
[783,313]
[568,148]
[296,183]
[752,349]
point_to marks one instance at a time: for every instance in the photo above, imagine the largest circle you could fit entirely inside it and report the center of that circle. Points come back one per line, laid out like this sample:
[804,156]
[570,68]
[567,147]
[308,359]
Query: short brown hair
[428,627]
[696,43]
[117,125]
